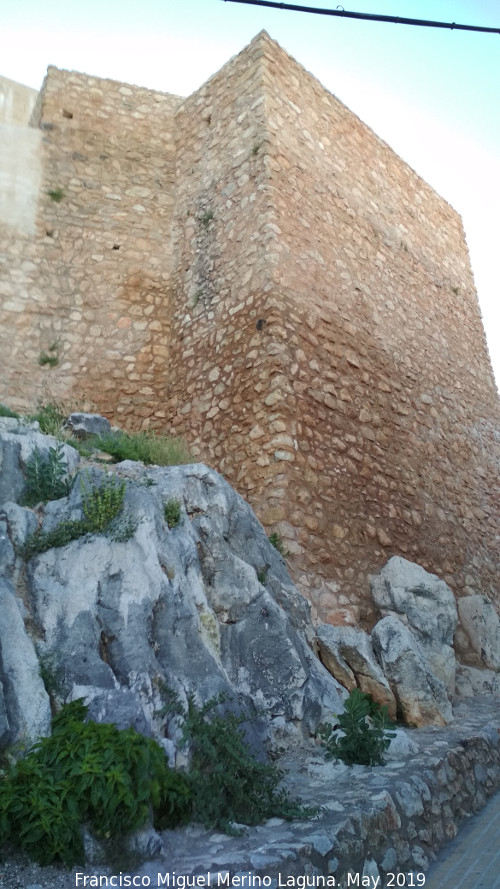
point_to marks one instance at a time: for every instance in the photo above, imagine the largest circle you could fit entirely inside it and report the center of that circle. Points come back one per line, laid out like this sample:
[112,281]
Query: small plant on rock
[278,544]
[367,732]
[61,535]
[50,417]
[102,506]
[102,503]
[46,476]
[7,412]
[172,513]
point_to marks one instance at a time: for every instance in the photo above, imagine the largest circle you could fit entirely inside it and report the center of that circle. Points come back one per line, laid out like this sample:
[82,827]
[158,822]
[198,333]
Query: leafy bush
[227,784]
[145,447]
[102,503]
[50,417]
[6,412]
[46,476]
[367,732]
[172,513]
[61,535]
[87,772]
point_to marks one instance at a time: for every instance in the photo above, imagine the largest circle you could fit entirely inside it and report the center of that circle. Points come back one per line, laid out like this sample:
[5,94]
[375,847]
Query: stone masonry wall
[254,269]
[225,394]
[392,389]
[93,285]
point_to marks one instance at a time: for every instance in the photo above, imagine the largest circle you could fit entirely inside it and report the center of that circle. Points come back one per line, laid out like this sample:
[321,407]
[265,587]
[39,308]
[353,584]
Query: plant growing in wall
[50,357]
[207,217]
[278,544]
[56,194]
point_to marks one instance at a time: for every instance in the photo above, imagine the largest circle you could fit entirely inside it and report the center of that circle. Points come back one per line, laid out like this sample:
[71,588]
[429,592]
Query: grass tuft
[144,447]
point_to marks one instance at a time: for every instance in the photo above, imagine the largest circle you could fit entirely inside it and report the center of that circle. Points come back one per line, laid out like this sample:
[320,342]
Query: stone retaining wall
[401,813]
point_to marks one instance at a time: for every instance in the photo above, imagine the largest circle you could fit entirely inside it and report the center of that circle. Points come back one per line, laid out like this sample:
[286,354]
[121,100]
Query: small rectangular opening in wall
[68,114]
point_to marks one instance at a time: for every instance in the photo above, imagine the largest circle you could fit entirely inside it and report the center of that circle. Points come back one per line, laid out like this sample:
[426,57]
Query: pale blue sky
[433,95]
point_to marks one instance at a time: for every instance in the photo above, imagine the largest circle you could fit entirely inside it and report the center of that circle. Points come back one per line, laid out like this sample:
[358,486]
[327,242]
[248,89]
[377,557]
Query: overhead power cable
[365,16]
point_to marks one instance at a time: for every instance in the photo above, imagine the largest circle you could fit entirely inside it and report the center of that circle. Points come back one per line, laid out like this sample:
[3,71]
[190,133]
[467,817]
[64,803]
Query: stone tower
[252,268]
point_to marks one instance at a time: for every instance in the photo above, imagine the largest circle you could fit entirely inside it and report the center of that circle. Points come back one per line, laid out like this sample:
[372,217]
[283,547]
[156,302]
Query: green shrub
[102,503]
[145,447]
[87,772]
[172,513]
[367,732]
[46,476]
[50,417]
[227,783]
[61,535]
[6,412]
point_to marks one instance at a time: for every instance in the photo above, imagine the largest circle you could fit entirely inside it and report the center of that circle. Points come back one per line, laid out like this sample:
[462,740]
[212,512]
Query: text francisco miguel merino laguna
[209,880]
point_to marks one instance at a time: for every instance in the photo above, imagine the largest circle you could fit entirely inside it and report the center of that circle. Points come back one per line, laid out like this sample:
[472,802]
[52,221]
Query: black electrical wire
[342,13]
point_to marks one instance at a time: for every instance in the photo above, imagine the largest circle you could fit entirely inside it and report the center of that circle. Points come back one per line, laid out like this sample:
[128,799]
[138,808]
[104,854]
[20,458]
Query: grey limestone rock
[83,425]
[481,625]
[202,608]
[26,706]
[426,605]
[471,682]
[421,697]
[401,746]
[348,654]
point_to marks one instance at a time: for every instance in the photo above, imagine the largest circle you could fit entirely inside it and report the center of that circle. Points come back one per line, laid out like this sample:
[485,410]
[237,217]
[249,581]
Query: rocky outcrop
[478,636]
[348,654]
[472,682]
[409,663]
[202,607]
[83,425]
[24,702]
[421,696]
[426,605]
